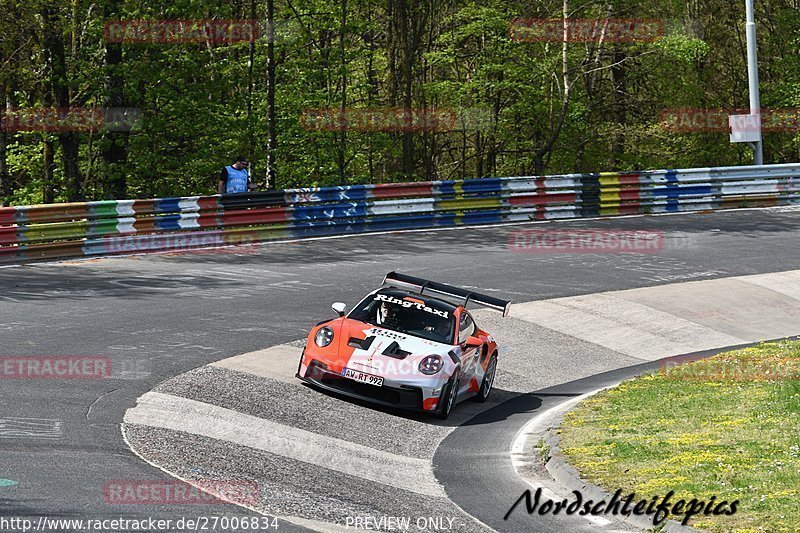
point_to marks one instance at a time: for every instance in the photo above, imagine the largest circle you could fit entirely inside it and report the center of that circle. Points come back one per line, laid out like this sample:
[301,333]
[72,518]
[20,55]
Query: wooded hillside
[481,96]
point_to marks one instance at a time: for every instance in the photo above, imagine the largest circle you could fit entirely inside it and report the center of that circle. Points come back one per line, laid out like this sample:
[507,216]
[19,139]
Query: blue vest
[237,180]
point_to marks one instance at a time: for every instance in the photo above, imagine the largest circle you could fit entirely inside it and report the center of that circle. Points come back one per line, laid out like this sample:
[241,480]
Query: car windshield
[404,314]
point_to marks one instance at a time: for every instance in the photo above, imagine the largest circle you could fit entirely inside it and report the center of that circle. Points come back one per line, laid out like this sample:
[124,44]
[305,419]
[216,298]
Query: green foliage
[456,57]
[682,48]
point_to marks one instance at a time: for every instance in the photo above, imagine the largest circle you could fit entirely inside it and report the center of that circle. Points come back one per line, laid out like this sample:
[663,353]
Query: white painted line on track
[519,453]
[518,444]
[198,418]
[322,527]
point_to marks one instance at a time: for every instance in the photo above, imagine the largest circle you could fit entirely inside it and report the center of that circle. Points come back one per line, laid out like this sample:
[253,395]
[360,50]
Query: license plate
[362,377]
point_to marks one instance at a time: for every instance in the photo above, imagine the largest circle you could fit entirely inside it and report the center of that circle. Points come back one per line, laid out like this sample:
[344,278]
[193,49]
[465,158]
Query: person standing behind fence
[235,178]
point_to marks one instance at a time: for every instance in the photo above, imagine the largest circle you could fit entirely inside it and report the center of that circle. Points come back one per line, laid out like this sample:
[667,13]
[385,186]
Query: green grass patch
[543,449]
[727,426]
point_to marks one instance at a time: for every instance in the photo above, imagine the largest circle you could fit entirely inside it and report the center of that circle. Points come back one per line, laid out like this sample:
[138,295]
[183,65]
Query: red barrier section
[8,215]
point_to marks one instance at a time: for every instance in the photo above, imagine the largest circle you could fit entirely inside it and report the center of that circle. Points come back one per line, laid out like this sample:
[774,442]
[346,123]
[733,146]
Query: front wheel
[449,397]
[488,380]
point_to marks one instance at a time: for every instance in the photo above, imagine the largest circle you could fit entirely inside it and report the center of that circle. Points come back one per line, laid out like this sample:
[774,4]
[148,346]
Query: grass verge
[726,426]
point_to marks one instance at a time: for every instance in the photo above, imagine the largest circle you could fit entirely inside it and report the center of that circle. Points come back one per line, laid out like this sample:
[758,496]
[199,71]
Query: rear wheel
[449,397]
[488,380]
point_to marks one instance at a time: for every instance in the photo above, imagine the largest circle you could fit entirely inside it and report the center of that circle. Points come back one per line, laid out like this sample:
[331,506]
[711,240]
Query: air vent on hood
[393,350]
[363,344]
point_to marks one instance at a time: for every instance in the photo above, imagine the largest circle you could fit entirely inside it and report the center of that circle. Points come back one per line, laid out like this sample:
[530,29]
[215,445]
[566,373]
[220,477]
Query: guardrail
[136,226]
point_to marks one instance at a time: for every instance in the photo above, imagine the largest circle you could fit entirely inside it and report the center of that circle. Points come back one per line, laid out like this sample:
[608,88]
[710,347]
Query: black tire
[449,397]
[487,385]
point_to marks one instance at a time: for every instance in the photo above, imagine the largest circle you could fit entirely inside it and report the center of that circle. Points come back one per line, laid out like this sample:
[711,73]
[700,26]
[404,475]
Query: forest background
[337,92]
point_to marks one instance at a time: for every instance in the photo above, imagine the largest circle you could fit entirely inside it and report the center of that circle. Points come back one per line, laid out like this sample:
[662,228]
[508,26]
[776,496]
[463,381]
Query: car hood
[382,351]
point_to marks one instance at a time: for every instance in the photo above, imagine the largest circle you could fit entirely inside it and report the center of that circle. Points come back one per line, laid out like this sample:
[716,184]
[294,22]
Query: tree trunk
[115,150]
[271,139]
[408,85]
[479,160]
[618,74]
[251,53]
[542,155]
[56,57]
[69,161]
[407,23]
[491,156]
[372,93]
[619,96]
[343,105]
[5,177]
[48,195]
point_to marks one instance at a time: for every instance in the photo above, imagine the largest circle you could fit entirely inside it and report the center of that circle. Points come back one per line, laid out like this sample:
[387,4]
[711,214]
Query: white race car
[410,344]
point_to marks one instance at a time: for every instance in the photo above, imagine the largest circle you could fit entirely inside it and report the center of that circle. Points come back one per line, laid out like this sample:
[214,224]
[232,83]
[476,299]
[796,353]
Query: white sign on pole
[745,128]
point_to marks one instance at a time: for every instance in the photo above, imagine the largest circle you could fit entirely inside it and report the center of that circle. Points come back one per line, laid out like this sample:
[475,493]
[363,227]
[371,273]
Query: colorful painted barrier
[139,226]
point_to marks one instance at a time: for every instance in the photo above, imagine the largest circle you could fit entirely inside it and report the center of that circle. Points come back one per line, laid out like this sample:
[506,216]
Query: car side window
[466,328]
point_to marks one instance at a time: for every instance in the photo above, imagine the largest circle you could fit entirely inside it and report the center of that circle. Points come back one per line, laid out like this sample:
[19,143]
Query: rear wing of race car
[423,285]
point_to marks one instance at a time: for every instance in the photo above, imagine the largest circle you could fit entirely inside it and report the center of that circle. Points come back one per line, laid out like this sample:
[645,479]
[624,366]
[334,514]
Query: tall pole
[752,78]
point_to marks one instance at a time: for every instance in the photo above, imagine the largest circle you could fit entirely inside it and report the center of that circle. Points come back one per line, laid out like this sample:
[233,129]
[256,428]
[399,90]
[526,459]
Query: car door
[471,355]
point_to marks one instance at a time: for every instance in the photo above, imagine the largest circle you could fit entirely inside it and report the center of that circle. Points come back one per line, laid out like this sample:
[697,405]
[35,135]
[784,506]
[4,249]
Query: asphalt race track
[494,485]
[158,317]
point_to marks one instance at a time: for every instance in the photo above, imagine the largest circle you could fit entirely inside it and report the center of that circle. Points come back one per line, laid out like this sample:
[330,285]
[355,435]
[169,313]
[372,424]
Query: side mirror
[339,308]
[474,342]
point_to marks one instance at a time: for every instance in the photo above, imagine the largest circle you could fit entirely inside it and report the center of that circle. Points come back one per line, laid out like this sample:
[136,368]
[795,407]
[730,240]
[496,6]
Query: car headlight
[431,365]
[323,337]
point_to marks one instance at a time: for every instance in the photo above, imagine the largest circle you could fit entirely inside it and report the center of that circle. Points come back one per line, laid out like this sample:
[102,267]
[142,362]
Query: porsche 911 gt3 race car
[410,344]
